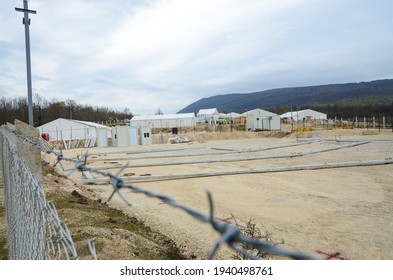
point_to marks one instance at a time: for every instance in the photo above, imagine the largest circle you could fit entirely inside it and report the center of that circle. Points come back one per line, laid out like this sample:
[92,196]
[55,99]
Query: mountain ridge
[377,91]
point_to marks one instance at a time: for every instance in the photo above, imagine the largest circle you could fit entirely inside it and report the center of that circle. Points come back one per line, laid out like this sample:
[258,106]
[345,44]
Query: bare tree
[46,111]
[159,112]
[71,105]
[127,113]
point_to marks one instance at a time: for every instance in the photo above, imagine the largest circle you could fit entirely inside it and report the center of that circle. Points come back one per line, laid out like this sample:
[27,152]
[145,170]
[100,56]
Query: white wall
[263,123]
[145,136]
[63,129]
[163,121]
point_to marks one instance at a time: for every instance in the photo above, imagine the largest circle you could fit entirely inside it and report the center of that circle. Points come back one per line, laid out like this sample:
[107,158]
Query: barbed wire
[229,233]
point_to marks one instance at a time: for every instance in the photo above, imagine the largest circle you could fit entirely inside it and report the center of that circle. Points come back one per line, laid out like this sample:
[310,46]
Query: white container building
[164,121]
[259,119]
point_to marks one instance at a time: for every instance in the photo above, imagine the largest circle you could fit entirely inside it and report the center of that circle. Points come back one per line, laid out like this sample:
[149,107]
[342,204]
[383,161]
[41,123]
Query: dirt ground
[347,212]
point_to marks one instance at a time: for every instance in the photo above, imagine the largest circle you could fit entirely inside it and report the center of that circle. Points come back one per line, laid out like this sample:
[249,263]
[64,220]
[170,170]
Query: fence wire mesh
[51,237]
[34,229]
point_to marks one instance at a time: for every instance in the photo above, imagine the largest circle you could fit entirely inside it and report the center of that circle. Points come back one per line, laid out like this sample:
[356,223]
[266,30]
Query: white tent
[304,115]
[63,129]
[258,113]
[208,115]
[229,115]
[164,121]
[207,112]
[259,119]
[233,115]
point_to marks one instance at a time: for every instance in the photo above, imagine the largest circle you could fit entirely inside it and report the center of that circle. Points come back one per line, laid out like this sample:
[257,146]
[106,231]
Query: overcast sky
[166,54]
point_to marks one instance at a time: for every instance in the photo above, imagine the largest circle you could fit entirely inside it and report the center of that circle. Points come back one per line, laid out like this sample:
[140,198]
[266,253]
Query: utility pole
[26,22]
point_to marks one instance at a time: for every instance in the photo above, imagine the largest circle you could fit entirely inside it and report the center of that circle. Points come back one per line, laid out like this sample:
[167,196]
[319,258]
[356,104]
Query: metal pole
[26,22]
[28,63]
[379,123]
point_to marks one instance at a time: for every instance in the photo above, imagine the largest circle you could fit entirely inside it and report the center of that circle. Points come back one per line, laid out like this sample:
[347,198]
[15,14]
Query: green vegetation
[367,107]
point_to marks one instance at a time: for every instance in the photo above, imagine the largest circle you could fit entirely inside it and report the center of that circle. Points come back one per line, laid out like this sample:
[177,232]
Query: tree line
[45,111]
[342,110]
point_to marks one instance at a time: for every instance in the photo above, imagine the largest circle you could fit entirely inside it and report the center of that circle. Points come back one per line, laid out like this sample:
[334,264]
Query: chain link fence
[36,232]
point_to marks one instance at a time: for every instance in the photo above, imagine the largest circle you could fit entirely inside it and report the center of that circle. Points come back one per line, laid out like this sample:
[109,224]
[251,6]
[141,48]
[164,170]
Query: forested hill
[364,94]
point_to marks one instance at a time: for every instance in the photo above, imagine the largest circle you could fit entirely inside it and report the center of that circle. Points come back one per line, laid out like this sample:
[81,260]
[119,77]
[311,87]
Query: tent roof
[92,124]
[234,115]
[164,117]
[211,111]
[230,115]
[60,122]
[258,112]
[303,113]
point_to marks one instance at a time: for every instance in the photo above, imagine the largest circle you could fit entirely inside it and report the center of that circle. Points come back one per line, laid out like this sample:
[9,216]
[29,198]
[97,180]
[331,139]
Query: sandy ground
[348,211]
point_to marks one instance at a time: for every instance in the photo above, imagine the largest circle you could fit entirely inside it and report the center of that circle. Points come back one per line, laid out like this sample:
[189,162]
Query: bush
[250,229]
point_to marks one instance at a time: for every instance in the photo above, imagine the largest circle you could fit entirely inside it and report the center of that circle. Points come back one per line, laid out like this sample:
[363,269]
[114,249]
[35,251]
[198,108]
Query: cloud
[169,53]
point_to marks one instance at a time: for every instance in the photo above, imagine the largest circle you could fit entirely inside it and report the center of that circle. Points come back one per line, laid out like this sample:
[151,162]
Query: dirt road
[348,211]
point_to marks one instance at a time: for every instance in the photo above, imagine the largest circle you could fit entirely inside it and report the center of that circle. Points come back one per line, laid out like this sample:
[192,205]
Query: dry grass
[3,233]
[118,236]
